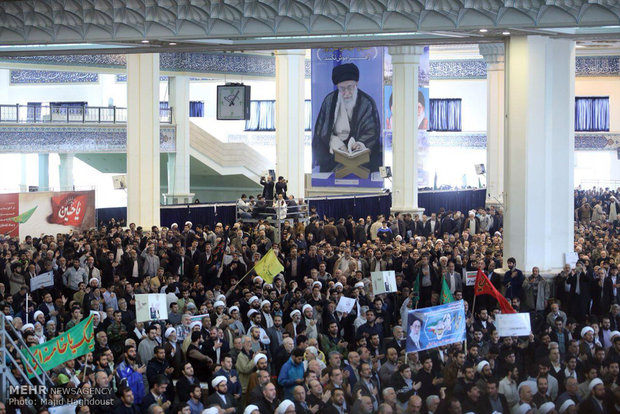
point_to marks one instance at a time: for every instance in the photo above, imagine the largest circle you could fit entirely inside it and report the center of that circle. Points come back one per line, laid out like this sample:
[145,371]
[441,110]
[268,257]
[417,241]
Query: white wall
[473,93]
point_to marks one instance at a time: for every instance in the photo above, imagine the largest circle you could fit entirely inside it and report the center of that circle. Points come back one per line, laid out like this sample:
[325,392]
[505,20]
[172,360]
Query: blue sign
[435,326]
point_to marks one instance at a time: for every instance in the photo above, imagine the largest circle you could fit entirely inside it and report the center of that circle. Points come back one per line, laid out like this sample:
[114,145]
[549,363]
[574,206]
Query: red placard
[9,208]
[68,209]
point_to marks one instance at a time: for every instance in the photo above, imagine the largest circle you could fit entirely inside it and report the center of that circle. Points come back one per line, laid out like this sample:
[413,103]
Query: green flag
[72,344]
[416,291]
[24,217]
[446,295]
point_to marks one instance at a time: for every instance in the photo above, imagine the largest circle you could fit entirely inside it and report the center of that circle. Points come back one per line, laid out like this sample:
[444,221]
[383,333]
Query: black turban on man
[346,72]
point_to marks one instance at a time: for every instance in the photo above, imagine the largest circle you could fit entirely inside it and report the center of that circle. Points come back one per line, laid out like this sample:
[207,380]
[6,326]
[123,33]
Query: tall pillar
[539,151]
[178,162]
[143,195]
[290,96]
[65,171]
[493,54]
[44,172]
[405,65]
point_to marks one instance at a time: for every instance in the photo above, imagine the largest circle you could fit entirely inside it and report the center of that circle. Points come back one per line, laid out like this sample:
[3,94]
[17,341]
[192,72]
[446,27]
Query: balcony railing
[70,114]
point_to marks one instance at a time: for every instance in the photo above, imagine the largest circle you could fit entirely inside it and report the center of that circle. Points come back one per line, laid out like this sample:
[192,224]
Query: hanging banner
[435,326]
[383,282]
[151,307]
[347,112]
[31,214]
[423,111]
[72,344]
[513,324]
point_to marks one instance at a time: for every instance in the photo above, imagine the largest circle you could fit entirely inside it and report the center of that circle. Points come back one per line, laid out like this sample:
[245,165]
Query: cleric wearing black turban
[346,113]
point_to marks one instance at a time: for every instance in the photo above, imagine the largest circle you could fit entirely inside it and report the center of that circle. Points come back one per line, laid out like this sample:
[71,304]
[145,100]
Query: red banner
[68,209]
[9,209]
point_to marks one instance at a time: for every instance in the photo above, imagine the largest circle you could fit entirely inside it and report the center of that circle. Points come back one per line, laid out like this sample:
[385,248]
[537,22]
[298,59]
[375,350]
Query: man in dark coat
[333,130]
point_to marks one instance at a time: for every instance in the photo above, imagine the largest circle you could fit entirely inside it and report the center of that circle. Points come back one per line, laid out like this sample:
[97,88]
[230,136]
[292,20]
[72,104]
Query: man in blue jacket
[292,373]
[129,371]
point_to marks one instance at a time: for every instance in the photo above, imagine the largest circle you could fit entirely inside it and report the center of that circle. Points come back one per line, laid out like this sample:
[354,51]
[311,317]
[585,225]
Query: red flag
[68,209]
[485,287]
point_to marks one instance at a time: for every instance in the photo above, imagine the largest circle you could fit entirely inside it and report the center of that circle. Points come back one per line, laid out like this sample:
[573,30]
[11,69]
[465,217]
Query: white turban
[250,408]
[216,381]
[284,405]
[265,302]
[219,303]
[212,410]
[565,405]
[594,383]
[359,285]
[524,408]
[252,312]
[294,312]
[306,306]
[546,407]
[258,357]
[27,326]
[195,323]
[37,313]
[317,283]
[585,330]
[338,284]
[481,366]
[169,332]
[252,299]
[233,308]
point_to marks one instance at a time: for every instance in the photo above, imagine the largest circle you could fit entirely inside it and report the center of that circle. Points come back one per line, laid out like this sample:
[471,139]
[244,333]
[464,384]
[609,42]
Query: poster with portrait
[435,326]
[151,307]
[423,105]
[347,117]
[383,282]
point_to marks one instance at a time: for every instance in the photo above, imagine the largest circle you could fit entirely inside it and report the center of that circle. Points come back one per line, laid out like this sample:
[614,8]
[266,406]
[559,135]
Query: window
[196,109]
[592,113]
[263,116]
[444,115]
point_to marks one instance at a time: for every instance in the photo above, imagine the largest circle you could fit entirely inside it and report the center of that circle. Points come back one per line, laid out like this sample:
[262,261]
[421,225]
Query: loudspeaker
[480,170]
[385,172]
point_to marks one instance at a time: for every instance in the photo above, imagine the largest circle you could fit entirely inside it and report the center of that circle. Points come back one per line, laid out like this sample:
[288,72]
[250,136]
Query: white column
[44,172]
[290,73]
[178,162]
[405,65]
[143,192]
[493,54]
[65,171]
[539,151]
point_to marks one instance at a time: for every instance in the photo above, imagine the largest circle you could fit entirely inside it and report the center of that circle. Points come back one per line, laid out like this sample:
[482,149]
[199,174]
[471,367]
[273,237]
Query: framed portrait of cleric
[347,117]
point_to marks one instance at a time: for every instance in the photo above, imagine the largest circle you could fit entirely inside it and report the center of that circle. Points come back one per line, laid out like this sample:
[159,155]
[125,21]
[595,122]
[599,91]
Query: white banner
[571,259]
[470,277]
[383,282]
[151,307]
[513,324]
[41,281]
[345,304]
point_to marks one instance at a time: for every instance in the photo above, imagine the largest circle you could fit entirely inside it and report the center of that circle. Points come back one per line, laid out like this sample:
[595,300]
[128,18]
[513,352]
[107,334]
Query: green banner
[74,343]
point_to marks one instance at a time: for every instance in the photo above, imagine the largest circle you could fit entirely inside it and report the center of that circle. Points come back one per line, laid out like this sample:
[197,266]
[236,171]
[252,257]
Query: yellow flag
[268,267]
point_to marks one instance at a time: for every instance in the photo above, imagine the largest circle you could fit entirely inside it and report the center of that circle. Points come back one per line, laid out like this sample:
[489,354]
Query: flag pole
[240,280]
[26,308]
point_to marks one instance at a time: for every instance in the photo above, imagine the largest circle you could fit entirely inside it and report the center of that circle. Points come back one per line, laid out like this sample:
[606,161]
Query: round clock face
[231,102]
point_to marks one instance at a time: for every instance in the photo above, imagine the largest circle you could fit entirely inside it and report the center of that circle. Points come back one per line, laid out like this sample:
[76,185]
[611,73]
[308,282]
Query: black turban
[346,72]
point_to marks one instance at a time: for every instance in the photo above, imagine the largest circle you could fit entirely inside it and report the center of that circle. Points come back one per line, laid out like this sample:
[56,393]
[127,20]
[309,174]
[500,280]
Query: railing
[268,213]
[70,114]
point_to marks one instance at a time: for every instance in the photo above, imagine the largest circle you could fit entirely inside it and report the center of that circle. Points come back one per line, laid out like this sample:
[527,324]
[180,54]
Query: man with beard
[346,113]
[129,371]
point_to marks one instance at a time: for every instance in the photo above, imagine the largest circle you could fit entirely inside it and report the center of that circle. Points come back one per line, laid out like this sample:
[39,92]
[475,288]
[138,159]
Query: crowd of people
[282,347]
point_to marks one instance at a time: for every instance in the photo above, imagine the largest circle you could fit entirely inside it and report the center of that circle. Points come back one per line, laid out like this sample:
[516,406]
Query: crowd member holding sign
[307,321]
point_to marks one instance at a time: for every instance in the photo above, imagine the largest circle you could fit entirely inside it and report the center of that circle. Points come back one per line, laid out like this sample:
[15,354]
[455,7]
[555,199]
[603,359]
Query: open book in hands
[353,149]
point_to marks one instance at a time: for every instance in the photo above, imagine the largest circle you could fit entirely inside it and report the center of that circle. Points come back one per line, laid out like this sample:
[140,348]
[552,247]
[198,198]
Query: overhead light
[145,41]
[172,44]
[483,30]
[506,33]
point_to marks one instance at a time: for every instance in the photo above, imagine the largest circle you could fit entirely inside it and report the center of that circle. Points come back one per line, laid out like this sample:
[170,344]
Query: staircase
[226,158]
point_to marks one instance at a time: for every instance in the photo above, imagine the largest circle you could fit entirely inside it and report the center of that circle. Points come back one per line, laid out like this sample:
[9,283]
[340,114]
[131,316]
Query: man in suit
[493,401]
[337,403]
[595,403]
[133,266]
[453,279]
[221,397]
[157,395]
[432,227]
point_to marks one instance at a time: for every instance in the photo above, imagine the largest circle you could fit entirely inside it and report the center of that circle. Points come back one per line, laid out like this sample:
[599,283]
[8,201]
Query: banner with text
[36,213]
[513,324]
[151,307]
[383,282]
[72,344]
[435,326]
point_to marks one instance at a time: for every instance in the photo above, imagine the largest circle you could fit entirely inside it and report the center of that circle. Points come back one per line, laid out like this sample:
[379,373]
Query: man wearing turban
[346,113]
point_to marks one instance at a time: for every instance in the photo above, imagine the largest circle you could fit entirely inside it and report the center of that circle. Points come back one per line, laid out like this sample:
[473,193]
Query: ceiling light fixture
[172,44]
[483,30]
[506,33]
[145,41]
